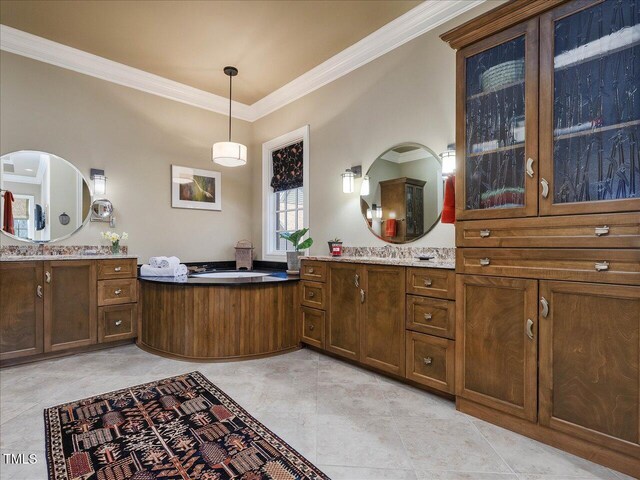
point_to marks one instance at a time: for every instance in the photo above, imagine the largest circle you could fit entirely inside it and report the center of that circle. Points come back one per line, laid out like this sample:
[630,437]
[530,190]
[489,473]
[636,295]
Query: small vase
[115,248]
[293,261]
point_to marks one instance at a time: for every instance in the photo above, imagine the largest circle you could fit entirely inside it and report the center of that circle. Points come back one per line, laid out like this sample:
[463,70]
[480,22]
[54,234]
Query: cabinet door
[70,298]
[590,362]
[590,108]
[497,127]
[383,321]
[496,332]
[346,283]
[21,311]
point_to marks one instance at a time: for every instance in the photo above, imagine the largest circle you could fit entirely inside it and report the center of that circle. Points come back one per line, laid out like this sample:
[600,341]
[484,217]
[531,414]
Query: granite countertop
[26,258]
[402,262]
[273,277]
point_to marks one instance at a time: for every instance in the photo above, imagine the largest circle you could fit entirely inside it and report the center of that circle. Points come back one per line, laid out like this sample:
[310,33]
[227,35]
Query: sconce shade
[99,181]
[448,160]
[229,154]
[379,211]
[348,181]
[364,188]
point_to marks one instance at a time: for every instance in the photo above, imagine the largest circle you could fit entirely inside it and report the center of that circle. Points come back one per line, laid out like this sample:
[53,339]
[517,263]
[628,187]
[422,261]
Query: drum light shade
[364,188]
[229,154]
[448,160]
[348,180]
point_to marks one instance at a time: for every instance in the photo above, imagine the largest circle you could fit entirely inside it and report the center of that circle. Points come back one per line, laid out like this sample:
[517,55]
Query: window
[285,176]
[21,228]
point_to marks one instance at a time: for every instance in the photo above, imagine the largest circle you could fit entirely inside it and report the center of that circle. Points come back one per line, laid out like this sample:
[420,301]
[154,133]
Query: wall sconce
[99,181]
[364,188]
[449,160]
[376,211]
[348,178]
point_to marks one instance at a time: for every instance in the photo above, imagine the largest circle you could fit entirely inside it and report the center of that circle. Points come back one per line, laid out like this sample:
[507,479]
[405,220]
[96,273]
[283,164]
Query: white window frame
[269,251]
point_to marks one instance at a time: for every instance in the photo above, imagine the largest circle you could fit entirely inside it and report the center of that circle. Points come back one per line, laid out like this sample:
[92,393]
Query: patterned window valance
[21,209]
[287,167]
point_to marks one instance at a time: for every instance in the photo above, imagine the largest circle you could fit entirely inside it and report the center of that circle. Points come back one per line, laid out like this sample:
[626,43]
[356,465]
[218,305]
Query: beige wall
[134,137]
[407,95]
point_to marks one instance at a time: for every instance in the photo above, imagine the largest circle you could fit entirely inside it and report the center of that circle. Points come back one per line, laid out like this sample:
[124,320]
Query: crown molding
[417,21]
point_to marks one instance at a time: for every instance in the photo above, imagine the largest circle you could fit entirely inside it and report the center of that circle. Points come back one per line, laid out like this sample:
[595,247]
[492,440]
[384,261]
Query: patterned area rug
[179,428]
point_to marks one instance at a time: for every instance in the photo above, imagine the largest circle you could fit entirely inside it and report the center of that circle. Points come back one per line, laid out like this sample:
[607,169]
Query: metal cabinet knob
[428,360]
[545,307]
[39,291]
[356,281]
[312,294]
[362,296]
[118,323]
[427,316]
[601,266]
[427,282]
[530,328]
[485,261]
[311,270]
[545,188]
[47,277]
[530,167]
[600,231]
[312,327]
[117,269]
[118,291]
[485,233]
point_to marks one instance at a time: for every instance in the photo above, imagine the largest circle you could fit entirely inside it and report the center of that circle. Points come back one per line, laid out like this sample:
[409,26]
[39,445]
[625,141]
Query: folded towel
[164,262]
[149,271]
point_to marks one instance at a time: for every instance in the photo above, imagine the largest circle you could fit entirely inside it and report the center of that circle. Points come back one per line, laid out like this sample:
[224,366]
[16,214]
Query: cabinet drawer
[606,266]
[432,316]
[313,326]
[117,268]
[430,361]
[117,322]
[580,231]
[113,292]
[432,282]
[313,295]
[314,271]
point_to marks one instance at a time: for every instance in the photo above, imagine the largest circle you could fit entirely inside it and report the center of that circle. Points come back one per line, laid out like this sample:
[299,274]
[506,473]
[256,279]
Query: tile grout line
[494,449]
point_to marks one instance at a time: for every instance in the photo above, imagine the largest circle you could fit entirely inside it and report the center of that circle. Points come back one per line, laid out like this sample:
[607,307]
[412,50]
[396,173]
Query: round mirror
[102,209]
[44,197]
[405,194]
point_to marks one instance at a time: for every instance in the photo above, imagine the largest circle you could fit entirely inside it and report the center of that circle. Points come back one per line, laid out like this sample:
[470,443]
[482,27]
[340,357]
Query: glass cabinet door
[590,108]
[498,100]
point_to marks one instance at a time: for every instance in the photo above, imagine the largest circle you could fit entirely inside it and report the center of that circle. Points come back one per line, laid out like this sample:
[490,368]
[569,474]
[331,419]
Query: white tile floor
[352,423]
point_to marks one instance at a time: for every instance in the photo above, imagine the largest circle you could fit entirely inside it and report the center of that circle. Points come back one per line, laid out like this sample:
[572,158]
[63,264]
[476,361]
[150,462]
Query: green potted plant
[335,247]
[293,258]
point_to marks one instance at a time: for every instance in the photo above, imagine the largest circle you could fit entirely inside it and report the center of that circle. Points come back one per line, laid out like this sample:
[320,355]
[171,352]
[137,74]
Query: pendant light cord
[230,79]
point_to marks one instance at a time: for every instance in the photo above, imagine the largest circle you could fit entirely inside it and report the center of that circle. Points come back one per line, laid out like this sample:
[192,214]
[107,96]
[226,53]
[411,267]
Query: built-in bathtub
[222,315]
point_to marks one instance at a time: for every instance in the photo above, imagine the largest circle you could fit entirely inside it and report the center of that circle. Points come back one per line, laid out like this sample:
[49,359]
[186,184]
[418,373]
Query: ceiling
[271,42]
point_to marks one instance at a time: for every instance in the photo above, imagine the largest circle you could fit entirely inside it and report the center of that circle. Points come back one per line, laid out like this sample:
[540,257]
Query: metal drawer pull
[118,291]
[601,266]
[310,269]
[545,307]
[427,282]
[545,188]
[530,328]
[362,295]
[39,291]
[357,281]
[118,323]
[117,269]
[428,361]
[47,277]
[427,316]
[530,167]
[484,262]
[312,294]
[602,231]
[312,327]
[485,233]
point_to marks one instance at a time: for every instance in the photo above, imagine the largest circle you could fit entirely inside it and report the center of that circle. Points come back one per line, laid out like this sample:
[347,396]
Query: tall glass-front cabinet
[549,115]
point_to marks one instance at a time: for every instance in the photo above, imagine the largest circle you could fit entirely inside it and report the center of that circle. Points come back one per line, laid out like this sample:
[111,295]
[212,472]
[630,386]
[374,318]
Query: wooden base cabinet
[590,362]
[346,282]
[497,344]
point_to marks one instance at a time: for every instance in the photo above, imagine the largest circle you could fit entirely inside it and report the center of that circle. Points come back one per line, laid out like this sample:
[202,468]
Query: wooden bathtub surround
[391,319]
[55,307]
[206,323]
[548,291]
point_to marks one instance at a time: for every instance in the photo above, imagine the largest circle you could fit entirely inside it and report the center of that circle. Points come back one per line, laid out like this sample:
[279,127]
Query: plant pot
[335,248]
[293,261]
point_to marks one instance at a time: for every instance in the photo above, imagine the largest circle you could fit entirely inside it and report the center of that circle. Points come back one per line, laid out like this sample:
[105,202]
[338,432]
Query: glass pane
[292,200]
[282,221]
[596,103]
[280,200]
[495,127]
[300,219]
[291,220]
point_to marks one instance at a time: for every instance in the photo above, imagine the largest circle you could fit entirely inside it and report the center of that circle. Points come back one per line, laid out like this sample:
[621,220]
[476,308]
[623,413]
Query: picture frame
[194,188]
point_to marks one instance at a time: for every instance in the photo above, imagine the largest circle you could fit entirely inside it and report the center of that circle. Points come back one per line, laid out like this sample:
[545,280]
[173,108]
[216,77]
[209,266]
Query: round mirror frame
[85,220]
[437,220]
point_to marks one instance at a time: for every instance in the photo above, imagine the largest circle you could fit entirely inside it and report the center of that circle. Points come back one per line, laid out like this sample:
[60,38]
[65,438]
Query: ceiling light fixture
[229,154]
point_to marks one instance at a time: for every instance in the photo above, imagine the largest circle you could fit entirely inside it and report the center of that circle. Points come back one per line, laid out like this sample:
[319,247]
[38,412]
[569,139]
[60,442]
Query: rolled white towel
[149,271]
[164,262]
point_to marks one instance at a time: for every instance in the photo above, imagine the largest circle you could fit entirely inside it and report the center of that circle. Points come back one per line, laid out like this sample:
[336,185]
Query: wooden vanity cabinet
[346,281]
[21,309]
[70,316]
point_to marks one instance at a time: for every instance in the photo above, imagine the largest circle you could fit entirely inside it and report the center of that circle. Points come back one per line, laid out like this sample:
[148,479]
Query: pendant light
[229,154]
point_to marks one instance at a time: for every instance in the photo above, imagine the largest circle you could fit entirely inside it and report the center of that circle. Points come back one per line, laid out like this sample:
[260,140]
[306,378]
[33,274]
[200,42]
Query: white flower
[113,237]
